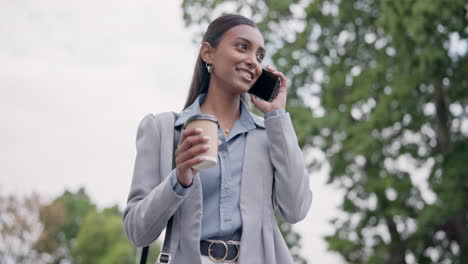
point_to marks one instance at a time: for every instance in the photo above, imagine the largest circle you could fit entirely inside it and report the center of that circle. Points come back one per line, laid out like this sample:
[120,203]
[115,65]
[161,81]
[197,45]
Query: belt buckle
[236,244]
[209,251]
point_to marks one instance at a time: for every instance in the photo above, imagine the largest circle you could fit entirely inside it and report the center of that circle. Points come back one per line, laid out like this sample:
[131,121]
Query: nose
[252,61]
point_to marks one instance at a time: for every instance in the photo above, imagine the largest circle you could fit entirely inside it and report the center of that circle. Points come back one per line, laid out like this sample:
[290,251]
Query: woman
[260,167]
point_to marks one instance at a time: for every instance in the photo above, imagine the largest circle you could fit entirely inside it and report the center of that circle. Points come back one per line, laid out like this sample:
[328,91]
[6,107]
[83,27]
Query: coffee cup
[209,126]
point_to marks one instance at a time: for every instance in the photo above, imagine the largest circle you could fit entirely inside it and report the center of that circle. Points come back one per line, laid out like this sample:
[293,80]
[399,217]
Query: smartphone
[267,86]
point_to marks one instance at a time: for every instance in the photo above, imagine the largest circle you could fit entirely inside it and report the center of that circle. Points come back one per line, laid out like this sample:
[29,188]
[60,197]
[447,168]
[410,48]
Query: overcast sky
[76,77]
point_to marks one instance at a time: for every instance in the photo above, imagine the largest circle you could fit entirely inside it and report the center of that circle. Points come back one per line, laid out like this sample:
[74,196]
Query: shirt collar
[247,119]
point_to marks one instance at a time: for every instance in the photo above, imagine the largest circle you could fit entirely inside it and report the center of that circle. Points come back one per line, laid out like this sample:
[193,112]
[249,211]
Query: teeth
[246,74]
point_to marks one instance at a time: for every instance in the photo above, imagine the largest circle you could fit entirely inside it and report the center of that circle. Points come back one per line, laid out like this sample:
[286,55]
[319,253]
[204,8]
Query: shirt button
[227,218]
[226,186]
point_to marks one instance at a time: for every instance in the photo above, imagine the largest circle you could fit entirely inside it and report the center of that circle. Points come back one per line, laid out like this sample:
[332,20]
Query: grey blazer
[274,179]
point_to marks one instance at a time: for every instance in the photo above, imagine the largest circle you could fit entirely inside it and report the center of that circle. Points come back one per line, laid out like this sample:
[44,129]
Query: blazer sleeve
[152,200]
[292,196]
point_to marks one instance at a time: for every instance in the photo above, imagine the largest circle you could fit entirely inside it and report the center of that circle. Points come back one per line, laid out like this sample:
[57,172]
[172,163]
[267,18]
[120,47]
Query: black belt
[219,250]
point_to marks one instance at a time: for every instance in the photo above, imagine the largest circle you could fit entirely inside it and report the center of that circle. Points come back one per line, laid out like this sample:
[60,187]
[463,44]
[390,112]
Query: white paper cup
[209,126]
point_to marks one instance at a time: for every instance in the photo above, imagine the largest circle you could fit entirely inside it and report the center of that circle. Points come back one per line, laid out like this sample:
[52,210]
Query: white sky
[76,77]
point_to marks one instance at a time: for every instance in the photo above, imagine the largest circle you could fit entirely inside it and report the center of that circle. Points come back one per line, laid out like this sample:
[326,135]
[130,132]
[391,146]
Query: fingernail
[199,129]
[207,146]
[206,137]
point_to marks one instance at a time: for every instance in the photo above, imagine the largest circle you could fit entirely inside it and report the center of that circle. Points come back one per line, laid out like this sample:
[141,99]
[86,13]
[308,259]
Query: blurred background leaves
[70,229]
[380,87]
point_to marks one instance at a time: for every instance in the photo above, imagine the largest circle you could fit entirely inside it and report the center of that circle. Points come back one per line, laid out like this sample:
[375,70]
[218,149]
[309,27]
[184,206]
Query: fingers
[284,80]
[185,172]
[257,102]
[190,163]
[279,102]
[191,145]
[189,132]
[191,153]
[192,138]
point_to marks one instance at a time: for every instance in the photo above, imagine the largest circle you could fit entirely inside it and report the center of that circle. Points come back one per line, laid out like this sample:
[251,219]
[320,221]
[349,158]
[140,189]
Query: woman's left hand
[279,102]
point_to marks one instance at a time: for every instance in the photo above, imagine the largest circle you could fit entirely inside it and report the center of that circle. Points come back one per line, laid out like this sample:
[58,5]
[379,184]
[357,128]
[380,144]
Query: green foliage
[392,99]
[101,240]
[121,253]
[75,231]
[62,221]
[77,205]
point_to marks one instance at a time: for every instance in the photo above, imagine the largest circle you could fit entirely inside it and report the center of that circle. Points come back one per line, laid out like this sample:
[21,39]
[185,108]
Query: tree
[62,219]
[380,87]
[20,229]
[52,217]
[76,232]
[101,240]
[77,205]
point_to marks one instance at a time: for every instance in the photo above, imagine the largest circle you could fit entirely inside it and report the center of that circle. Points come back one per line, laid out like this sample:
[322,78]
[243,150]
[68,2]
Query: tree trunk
[456,229]
[397,253]
[443,121]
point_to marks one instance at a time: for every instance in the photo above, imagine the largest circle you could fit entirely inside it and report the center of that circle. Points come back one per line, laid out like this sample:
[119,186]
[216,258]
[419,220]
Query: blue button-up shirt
[221,184]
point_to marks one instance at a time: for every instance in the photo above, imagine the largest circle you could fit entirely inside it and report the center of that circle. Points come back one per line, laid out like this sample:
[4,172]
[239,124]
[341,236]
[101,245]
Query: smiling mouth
[246,73]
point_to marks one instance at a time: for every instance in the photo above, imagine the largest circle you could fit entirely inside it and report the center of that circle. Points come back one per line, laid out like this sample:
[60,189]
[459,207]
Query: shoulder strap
[164,256]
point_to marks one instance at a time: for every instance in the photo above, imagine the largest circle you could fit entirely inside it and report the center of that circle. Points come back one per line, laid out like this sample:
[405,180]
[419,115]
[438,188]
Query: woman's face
[237,58]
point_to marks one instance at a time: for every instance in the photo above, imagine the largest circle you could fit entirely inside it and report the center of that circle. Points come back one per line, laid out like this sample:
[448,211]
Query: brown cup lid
[201,117]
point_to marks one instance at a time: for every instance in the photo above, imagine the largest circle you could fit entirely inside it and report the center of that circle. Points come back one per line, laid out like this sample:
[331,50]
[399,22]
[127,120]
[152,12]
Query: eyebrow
[250,43]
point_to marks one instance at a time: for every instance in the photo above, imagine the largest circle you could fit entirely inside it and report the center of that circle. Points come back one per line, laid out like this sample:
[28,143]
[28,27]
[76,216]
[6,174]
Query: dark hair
[214,32]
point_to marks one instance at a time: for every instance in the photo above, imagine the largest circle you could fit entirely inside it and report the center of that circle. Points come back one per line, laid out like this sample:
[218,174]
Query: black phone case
[267,86]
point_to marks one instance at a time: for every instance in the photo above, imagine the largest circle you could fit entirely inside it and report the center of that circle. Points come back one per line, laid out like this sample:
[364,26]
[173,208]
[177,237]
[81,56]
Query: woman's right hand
[186,156]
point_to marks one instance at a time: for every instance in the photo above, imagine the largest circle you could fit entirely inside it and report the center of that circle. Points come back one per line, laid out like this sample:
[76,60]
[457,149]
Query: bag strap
[165,256]
[144,255]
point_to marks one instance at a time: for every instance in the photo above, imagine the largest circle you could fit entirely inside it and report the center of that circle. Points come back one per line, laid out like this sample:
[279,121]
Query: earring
[209,67]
